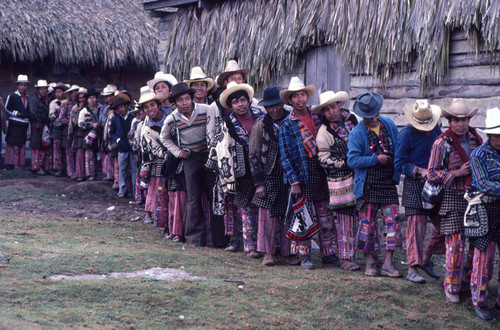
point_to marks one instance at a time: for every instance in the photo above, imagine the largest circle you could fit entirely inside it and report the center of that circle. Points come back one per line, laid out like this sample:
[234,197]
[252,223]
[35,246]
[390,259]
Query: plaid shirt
[293,150]
[380,144]
[485,167]
[65,113]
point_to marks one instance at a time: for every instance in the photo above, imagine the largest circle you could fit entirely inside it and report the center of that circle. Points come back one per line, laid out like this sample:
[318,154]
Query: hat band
[498,126]
[423,122]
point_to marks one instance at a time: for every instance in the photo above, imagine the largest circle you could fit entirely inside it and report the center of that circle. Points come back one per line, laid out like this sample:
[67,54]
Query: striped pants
[160,216]
[90,163]
[80,163]
[271,231]
[368,236]
[415,236]
[57,155]
[177,212]
[232,217]
[436,242]
[482,272]
[41,159]
[327,233]
[70,162]
[14,155]
[456,267]
[249,221]
[346,232]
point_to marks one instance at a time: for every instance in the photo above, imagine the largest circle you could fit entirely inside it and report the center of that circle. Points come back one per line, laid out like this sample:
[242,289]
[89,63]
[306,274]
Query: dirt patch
[157,273]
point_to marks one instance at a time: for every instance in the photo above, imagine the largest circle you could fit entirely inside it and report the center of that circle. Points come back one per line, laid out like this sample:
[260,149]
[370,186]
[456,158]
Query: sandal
[391,272]
[349,265]
[371,270]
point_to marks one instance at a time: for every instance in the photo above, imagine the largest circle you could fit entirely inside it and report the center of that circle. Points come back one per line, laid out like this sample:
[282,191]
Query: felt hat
[109,90]
[178,90]
[42,84]
[233,87]
[59,85]
[296,85]
[492,122]
[459,109]
[232,67]
[147,95]
[117,101]
[22,78]
[92,91]
[368,105]
[330,97]
[123,94]
[271,97]
[72,88]
[197,74]
[422,115]
[160,76]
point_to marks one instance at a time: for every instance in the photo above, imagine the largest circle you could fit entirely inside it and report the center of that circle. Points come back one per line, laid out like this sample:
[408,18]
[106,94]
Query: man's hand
[95,125]
[423,173]
[184,154]
[296,191]
[384,159]
[464,170]
[260,192]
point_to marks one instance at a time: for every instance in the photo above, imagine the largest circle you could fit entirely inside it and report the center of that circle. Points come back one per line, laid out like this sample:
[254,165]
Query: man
[267,176]
[302,171]
[190,121]
[201,83]
[413,149]
[57,127]
[332,141]
[88,123]
[371,152]
[162,83]
[66,140]
[107,160]
[41,155]
[449,167]
[120,126]
[16,107]
[485,168]
[77,134]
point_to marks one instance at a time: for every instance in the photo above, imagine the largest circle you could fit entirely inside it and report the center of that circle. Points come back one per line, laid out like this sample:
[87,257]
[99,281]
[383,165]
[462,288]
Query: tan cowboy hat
[148,94]
[42,84]
[329,97]
[82,90]
[73,88]
[234,87]
[22,78]
[459,109]
[422,115]
[160,76]
[492,122]
[232,67]
[109,90]
[197,74]
[296,85]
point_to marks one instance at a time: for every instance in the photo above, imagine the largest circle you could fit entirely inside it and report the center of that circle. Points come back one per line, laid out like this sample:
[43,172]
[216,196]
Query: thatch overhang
[381,38]
[107,33]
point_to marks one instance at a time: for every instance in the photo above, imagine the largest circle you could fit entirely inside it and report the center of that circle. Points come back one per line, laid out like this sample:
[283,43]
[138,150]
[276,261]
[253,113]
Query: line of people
[216,167]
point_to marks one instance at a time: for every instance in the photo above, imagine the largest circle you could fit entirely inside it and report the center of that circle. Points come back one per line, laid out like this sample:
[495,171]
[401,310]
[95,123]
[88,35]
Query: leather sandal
[392,273]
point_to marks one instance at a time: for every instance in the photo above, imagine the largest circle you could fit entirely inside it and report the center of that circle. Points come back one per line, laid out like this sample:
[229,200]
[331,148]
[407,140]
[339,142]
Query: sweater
[118,131]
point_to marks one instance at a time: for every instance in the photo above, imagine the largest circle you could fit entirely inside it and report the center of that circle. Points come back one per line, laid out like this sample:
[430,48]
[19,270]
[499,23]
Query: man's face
[201,89]
[298,100]
[92,99]
[82,98]
[162,87]
[495,141]
[109,99]
[332,113]
[74,96]
[141,114]
[151,109]
[121,109]
[59,94]
[22,87]
[43,91]
[372,122]
[459,126]
[236,77]
[184,104]
[275,111]
[240,106]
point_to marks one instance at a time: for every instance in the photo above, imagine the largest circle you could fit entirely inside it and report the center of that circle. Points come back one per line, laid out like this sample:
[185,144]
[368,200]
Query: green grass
[284,297]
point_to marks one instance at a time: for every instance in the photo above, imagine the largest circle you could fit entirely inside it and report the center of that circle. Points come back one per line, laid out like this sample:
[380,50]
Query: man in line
[108,163]
[41,154]
[201,83]
[66,140]
[57,127]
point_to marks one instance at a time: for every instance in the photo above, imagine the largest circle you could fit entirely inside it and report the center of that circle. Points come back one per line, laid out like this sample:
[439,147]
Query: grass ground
[38,246]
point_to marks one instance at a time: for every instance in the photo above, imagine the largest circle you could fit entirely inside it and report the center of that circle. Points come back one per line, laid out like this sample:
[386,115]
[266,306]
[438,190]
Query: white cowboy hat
[41,84]
[22,78]
[82,90]
[160,76]
[148,94]
[330,97]
[109,90]
[492,122]
[232,67]
[72,88]
[459,109]
[422,115]
[234,87]
[296,85]
[197,74]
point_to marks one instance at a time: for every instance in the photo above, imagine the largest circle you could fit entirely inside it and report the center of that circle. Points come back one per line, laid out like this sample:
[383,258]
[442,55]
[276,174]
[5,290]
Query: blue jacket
[119,129]
[358,156]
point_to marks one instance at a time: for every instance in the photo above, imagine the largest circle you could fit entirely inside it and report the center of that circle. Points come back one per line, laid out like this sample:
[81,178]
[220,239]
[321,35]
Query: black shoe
[429,269]
[332,260]
[306,262]
[234,245]
[415,278]
[483,312]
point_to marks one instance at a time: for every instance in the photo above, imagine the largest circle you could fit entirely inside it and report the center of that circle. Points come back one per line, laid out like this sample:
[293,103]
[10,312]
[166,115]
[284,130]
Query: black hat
[93,91]
[178,90]
[271,97]
[119,101]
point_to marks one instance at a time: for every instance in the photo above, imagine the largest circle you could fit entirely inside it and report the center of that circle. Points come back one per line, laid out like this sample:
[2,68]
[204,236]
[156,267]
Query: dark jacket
[118,131]
[18,119]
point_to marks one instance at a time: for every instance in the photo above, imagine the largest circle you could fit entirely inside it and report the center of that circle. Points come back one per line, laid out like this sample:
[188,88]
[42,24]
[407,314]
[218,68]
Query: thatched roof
[111,33]
[377,37]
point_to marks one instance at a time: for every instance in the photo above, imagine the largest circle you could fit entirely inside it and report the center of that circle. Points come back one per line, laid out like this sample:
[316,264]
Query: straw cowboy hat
[73,88]
[42,84]
[82,90]
[232,67]
[109,90]
[197,74]
[330,97]
[422,115]
[459,109]
[233,87]
[368,105]
[296,85]
[160,76]
[492,121]
[148,94]
[22,78]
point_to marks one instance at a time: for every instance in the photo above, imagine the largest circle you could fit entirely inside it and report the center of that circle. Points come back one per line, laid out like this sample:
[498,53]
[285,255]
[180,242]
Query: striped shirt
[485,167]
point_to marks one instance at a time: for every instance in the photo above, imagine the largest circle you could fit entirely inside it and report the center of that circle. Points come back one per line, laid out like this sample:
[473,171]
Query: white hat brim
[286,93]
[341,97]
[436,114]
[239,87]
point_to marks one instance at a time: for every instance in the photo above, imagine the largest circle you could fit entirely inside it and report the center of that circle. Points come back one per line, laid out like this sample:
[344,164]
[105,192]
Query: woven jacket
[358,156]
